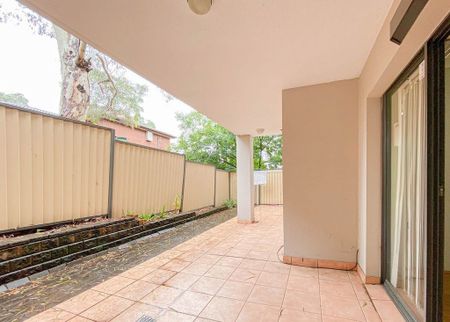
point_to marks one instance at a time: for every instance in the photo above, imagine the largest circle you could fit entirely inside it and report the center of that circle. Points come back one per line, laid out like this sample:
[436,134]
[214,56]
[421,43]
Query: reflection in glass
[407,262]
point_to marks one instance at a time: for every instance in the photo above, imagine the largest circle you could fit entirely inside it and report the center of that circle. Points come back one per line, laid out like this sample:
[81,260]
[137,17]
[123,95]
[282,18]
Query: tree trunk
[75,89]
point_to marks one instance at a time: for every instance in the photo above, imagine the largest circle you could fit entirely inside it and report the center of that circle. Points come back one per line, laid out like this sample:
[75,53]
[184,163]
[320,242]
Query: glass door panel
[407,204]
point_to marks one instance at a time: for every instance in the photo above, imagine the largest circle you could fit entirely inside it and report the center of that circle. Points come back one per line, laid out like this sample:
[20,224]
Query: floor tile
[190,255]
[137,290]
[53,315]
[347,308]
[333,288]
[176,265]
[207,285]
[326,318]
[79,319]
[235,252]
[182,280]
[377,292]
[230,272]
[333,275]
[208,259]
[245,275]
[171,316]
[82,301]
[158,276]
[252,312]
[290,315]
[254,264]
[279,268]
[107,309]
[254,254]
[369,311]
[304,284]
[162,296]
[301,301]
[236,290]
[388,311]
[113,285]
[267,295]
[197,268]
[137,272]
[191,303]
[222,272]
[272,279]
[229,261]
[304,271]
[222,309]
[137,311]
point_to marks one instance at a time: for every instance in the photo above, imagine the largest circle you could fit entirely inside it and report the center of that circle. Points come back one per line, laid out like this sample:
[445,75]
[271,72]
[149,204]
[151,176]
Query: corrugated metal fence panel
[268,194]
[145,180]
[272,192]
[51,169]
[222,187]
[198,186]
[233,186]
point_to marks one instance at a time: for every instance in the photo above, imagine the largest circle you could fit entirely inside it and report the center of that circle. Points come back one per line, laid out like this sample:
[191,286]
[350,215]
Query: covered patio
[232,272]
[318,73]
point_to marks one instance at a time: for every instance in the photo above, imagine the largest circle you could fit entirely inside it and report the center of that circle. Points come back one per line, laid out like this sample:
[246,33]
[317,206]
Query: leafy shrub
[230,203]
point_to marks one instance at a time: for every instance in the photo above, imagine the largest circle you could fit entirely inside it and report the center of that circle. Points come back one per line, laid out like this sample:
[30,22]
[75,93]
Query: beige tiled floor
[229,273]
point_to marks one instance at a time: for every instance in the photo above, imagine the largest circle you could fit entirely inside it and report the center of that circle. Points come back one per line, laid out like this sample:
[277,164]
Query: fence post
[111,172]
[229,185]
[215,186]
[182,186]
[259,194]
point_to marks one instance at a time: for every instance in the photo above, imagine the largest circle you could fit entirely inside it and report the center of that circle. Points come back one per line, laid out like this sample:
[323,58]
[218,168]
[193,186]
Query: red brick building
[139,135]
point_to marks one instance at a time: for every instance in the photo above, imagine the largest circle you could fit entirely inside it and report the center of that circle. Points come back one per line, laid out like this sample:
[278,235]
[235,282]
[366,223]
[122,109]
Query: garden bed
[25,255]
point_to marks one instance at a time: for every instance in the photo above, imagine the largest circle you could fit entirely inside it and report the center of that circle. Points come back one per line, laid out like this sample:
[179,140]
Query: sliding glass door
[416,184]
[406,122]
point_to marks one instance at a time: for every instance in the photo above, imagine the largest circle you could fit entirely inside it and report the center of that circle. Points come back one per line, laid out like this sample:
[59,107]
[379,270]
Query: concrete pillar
[245,188]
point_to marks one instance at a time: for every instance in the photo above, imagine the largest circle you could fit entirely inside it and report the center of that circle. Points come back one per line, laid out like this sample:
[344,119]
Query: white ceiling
[232,63]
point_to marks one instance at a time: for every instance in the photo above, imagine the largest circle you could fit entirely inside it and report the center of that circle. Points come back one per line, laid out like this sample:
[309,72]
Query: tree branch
[110,80]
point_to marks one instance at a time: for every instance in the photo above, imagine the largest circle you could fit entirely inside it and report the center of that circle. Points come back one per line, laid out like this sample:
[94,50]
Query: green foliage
[202,140]
[177,203]
[120,99]
[16,99]
[230,203]
[154,216]
[267,152]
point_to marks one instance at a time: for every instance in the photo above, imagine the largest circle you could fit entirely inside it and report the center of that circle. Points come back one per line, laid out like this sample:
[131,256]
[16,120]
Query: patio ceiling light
[200,7]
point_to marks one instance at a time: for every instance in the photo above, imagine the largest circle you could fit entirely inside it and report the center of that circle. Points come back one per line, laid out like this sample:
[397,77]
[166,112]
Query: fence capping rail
[52,115]
[148,148]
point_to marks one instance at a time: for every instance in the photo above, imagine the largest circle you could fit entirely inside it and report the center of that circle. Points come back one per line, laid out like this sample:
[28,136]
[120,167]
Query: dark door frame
[436,170]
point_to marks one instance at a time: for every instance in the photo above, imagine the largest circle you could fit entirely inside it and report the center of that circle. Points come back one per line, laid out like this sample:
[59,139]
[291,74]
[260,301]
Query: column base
[368,279]
[318,263]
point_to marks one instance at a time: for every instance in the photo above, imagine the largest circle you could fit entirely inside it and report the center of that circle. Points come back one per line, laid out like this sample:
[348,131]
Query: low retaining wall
[24,258]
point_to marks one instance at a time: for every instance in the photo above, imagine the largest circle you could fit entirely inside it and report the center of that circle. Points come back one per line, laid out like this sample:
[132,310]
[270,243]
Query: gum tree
[93,85]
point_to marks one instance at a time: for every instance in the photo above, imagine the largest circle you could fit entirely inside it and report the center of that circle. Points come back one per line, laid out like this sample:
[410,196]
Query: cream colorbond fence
[222,187]
[269,194]
[199,186]
[54,170]
[51,169]
[145,180]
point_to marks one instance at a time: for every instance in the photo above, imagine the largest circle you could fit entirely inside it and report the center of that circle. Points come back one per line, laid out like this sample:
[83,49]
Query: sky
[29,64]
